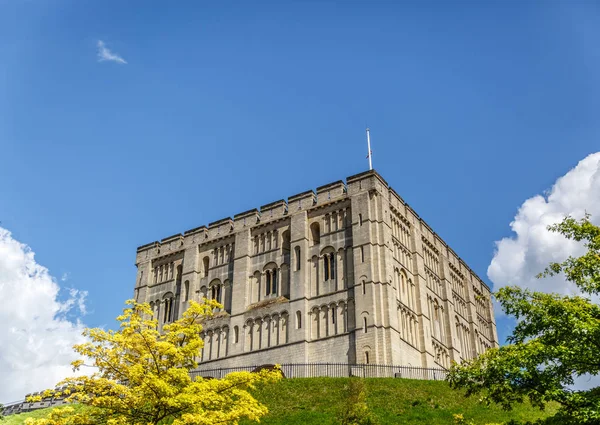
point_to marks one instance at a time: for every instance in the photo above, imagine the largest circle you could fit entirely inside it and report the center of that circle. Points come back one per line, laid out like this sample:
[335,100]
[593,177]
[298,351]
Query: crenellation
[199,229]
[147,246]
[273,211]
[347,272]
[330,192]
[301,201]
[175,237]
[246,219]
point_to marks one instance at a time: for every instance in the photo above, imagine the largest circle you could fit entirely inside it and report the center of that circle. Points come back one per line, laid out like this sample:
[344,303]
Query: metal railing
[290,370]
[336,370]
[27,406]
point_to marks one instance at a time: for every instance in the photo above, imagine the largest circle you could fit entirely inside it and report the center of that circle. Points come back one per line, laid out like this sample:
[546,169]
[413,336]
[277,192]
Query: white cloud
[65,276]
[36,338]
[104,54]
[519,258]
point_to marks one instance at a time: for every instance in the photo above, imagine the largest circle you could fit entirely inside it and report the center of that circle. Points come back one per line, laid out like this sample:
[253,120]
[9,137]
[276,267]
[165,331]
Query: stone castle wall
[347,274]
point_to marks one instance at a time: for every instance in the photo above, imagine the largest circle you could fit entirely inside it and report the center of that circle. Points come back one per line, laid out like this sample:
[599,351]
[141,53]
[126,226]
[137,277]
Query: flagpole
[369,148]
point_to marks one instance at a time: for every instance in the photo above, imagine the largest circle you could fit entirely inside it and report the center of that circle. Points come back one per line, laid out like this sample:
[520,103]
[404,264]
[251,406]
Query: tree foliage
[556,339]
[142,376]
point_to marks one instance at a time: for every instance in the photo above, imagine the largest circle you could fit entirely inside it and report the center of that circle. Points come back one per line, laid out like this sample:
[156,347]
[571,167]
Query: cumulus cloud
[104,54]
[520,257]
[36,337]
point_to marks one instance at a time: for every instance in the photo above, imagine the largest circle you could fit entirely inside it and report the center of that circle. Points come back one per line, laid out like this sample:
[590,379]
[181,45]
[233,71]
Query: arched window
[366,357]
[285,244]
[216,291]
[360,219]
[268,282]
[326,267]
[168,308]
[236,334]
[205,264]
[271,282]
[332,265]
[362,254]
[297,254]
[364,324]
[364,287]
[298,320]
[186,287]
[315,233]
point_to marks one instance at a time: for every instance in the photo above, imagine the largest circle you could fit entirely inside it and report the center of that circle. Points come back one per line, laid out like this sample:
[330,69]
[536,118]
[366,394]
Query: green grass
[393,401]
[20,418]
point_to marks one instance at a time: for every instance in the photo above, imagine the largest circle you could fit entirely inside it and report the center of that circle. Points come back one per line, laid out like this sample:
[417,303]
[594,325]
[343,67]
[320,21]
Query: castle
[347,274]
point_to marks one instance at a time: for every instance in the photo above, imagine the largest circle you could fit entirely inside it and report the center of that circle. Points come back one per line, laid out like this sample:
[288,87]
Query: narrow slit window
[297,252]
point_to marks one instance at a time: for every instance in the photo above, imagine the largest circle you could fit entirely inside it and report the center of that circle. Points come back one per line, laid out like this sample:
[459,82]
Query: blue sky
[474,107]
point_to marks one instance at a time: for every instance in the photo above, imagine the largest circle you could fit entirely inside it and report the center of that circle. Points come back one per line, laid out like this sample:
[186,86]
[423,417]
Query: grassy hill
[393,401]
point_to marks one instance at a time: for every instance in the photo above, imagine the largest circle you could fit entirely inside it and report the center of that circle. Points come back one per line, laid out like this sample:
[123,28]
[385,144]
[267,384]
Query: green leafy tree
[556,339]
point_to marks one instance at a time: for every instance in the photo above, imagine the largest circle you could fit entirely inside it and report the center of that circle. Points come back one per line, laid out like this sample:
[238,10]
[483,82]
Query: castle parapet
[330,192]
[368,180]
[273,210]
[302,201]
[220,228]
[246,219]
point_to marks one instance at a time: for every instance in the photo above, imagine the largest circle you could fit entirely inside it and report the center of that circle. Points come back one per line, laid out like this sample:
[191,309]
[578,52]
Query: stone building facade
[347,274]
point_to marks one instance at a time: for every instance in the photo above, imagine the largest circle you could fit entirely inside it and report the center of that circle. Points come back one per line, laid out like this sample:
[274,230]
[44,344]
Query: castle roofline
[301,195]
[330,185]
[219,222]
[171,238]
[194,230]
[248,213]
[148,245]
[365,174]
[271,205]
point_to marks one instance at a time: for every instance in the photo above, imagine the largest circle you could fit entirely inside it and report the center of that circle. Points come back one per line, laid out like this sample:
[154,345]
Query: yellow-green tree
[142,376]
